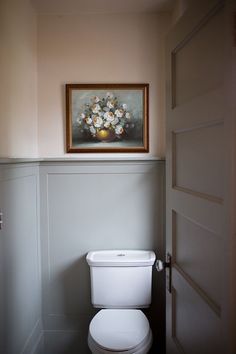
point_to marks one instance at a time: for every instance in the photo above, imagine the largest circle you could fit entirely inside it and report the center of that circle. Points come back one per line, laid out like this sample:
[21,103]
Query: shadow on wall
[77,310]
[75,282]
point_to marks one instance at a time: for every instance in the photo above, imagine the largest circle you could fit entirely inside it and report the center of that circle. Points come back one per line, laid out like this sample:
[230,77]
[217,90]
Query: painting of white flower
[105,117]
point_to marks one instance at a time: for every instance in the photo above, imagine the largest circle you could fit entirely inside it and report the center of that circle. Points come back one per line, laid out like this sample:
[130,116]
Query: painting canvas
[107,117]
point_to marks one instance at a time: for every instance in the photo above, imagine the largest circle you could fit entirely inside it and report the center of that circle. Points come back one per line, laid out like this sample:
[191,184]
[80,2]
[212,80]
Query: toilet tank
[121,278]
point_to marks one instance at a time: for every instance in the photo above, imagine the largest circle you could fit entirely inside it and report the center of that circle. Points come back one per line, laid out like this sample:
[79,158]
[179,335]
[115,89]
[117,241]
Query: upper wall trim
[60,161]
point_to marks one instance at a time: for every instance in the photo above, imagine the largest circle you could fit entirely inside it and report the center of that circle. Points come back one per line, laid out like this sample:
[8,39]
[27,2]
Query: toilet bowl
[121,282]
[125,331]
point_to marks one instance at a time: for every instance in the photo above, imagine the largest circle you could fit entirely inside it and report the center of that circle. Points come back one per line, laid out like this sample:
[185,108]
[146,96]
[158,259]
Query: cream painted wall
[104,48]
[18,69]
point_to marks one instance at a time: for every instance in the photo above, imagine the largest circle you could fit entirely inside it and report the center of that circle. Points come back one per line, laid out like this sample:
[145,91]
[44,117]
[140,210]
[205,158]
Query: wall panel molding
[19,202]
[79,206]
[89,206]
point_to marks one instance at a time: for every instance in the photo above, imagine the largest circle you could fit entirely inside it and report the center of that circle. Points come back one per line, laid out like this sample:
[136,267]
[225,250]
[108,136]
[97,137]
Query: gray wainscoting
[20,275]
[90,206]
[54,212]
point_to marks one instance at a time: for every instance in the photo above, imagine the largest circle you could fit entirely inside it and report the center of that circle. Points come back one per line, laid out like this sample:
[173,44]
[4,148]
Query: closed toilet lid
[118,329]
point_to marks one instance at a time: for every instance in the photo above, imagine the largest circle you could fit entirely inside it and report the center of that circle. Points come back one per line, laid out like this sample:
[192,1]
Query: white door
[200,128]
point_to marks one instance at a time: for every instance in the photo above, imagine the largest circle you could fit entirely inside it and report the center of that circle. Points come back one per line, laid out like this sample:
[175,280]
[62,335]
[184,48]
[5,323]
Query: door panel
[193,320]
[191,159]
[189,236]
[196,181]
[205,72]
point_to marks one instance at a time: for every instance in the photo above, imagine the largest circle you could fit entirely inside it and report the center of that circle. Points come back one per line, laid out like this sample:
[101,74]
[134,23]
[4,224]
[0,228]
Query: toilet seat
[117,331]
[142,349]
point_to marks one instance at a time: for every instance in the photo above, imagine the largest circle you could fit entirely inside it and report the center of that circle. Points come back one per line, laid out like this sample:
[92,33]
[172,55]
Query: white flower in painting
[96,99]
[97,121]
[89,120]
[96,108]
[119,130]
[107,124]
[109,116]
[109,95]
[105,112]
[92,130]
[115,121]
[119,113]
[110,104]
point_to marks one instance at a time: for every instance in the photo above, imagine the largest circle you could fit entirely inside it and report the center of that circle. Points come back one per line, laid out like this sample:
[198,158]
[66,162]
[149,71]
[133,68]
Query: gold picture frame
[107,118]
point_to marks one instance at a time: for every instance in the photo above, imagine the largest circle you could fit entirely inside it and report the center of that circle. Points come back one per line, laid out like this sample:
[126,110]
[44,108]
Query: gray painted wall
[82,206]
[85,207]
[20,280]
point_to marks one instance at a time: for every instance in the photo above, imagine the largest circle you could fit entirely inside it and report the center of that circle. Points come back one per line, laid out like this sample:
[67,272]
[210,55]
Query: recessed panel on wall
[194,322]
[192,151]
[89,206]
[20,259]
[91,211]
[197,253]
[205,72]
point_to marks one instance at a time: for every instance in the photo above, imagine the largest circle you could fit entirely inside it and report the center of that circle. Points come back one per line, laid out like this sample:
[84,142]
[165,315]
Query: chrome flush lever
[160,265]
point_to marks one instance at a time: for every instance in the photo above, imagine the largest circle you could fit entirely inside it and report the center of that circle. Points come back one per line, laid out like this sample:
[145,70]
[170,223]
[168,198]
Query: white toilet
[120,284]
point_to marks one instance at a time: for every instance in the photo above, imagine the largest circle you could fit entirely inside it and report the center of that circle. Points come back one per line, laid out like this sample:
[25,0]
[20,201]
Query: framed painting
[107,118]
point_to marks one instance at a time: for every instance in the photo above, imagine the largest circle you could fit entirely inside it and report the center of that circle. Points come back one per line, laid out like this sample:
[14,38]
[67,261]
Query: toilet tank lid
[121,258]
